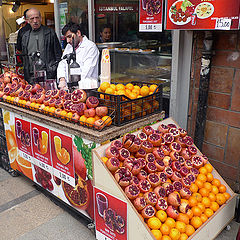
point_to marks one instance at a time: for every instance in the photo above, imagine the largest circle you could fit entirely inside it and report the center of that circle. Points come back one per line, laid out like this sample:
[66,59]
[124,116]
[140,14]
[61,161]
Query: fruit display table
[136,207]
[57,154]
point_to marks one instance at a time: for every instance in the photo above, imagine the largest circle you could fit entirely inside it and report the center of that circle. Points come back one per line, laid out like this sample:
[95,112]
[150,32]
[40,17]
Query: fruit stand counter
[156,196]
[57,154]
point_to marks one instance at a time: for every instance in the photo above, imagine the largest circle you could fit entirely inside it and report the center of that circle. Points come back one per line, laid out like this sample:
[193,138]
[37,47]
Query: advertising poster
[110,216]
[46,158]
[203,14]
[150,15]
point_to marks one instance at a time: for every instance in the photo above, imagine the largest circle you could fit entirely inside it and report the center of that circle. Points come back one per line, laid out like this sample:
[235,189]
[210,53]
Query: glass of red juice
[102,203]
[18,128]
[35,136]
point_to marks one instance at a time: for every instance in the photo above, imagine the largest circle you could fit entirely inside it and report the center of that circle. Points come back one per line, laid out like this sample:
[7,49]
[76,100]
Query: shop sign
[203,14]
[109,228]
[57,161]
[150,15]
[116,8]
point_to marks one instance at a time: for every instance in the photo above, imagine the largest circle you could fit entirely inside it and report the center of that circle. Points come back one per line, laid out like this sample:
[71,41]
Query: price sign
[65,177]
[44,166]
[26,156]
[223,24]
[150,27]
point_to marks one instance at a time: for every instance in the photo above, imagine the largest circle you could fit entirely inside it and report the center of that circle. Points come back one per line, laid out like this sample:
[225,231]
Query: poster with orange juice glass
[62,157]
[41,147]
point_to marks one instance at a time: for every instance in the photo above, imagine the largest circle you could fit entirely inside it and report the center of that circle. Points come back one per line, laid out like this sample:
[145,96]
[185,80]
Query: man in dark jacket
[40,39]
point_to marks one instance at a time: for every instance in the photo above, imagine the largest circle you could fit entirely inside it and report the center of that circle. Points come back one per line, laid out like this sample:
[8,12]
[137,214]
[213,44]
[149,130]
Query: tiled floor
[27,214]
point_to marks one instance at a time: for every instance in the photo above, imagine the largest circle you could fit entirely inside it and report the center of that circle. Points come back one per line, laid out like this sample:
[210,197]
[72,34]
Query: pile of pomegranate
[143,164]
[54,102]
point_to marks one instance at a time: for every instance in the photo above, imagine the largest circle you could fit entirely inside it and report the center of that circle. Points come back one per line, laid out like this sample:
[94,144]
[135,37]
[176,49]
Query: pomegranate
[58,103]
[191,177]
[177,185]
[133,165]
[101,111]
[91,112]
[168,187]
[181,160]
[176,166]
[144,186]
[174,132]
[39,97]
[192,150]
[136,144]
[142,136]
[188,141]
[148,212]
[132,191]
[176,176]
[141,153]
[41,90]
[158,153]
[48,93]
[151,167]
[143,162]
[186,153]
[163,177]
[117,144]
[135,180]
[205,159]
[34,89]
[188,164]
[174,155]
[168,138]
[160,165]
[182,132]
[148,130]
[151,198]
[167,161]
[163,128]
[197,161]
[180,141]
[174,199]
[166,149]
[51,102]
[127,140]
[123,176]
[78,95]
[172,212]
[161,204]
[184,207]
[55,93]
[112,164]
[67,96]
[184,171]
[139,203]
[123,153]
[147,146]
[186,182]
[154,179]
[46,100]
[174,146]
[160,191]
[142,175]
[150,157]
[155,139]
[62,94]
[194,171]
[112,151]
[168,171]
[185,193]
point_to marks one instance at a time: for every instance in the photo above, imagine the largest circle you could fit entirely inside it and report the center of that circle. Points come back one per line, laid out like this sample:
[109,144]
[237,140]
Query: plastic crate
[128,110]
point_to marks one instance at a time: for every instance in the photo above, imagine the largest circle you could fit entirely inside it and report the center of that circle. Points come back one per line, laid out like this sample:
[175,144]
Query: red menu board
[23,138]
[200,14]
[62,157]
[41,147]
[110,216]
[150,15]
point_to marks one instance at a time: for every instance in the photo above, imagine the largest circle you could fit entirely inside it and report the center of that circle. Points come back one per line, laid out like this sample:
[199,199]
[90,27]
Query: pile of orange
[129,90]
[89,121]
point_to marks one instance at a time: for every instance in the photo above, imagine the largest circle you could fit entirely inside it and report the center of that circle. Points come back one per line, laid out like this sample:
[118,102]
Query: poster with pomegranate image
[203,14]
[110,216]
[23,137]
[62,157]
[41,147]
[150,15]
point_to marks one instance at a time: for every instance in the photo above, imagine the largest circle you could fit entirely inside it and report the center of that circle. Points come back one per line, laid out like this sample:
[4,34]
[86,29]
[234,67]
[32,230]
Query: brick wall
[222,132]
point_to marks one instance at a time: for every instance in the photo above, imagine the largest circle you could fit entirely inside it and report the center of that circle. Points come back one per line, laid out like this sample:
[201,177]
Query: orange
[204,218]
[192,201]
[183,236]
[11,139]
[199,183]
[104,159]
[198,196]
[196,211]
[170,222]
[215,189]
[189,230]
[203,170]
[154,223]
[120,86]
[196,222]
[165,229]
[201,206]
[226,195]
[194,187]
[157,234]
[132,95]
[97,117]
[153,87]
[212,197]
[107,120]
[128,92]
[144,91]
[57,143]
[214,206]
[184,200]
[204,192]
[63,113]
[63,156]
[174,234]
[136,91]
[216,182]
[202,177]
[129,86]
[183,217]
[104,86]
[25,166]
[222,188]
[208,186]
[220,199]
[208,212]
[82,119]
[113,86]
[6,117]
[90,121]
[69,115]
[161,215]
[206,201]
[181,226]
[189,213]
[209,177]
[166,237]
[109,90]
[13,154]
[209,167]
[136,87]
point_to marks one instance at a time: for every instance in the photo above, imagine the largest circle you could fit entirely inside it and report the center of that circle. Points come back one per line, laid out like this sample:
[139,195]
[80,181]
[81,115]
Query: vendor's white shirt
[87,56]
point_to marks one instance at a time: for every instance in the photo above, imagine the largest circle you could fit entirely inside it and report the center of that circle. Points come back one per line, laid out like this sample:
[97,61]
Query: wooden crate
[137,229]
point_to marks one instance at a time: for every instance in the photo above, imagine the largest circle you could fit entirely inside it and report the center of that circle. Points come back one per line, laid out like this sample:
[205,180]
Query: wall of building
[222,132]
[10,17]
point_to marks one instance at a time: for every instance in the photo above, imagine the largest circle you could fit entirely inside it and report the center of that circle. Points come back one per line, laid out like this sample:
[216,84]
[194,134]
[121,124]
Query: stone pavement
[27,214]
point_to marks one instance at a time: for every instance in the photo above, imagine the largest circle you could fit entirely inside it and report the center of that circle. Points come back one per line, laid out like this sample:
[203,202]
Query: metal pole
[56,19]
[3,49]
[203,89]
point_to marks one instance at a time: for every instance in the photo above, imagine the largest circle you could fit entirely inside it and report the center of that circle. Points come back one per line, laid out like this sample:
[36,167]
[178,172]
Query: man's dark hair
[105,26]
[25,13]
[72,27]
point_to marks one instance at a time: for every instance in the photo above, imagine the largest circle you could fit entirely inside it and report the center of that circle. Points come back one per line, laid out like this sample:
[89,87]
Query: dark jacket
[53,52]
[20,34]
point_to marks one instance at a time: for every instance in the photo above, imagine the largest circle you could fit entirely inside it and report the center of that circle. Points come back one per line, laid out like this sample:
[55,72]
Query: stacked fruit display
[168,181]
[73,106]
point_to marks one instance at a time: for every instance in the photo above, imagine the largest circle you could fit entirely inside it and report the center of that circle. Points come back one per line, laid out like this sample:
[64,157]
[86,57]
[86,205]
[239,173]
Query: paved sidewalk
[27,214]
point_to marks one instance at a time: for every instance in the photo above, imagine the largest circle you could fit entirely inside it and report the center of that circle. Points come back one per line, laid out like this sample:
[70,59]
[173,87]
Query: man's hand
[62,84]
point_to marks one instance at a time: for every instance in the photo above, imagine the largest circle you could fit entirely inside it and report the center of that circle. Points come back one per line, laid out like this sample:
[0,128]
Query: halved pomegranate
[123,176]
[163,128]
[144,186]
[123,153]
[161,204]
[151,198]
[139,203]
[148,212]
[155,139]
[154,179]
[197,161]
[148,130]
[132,191]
